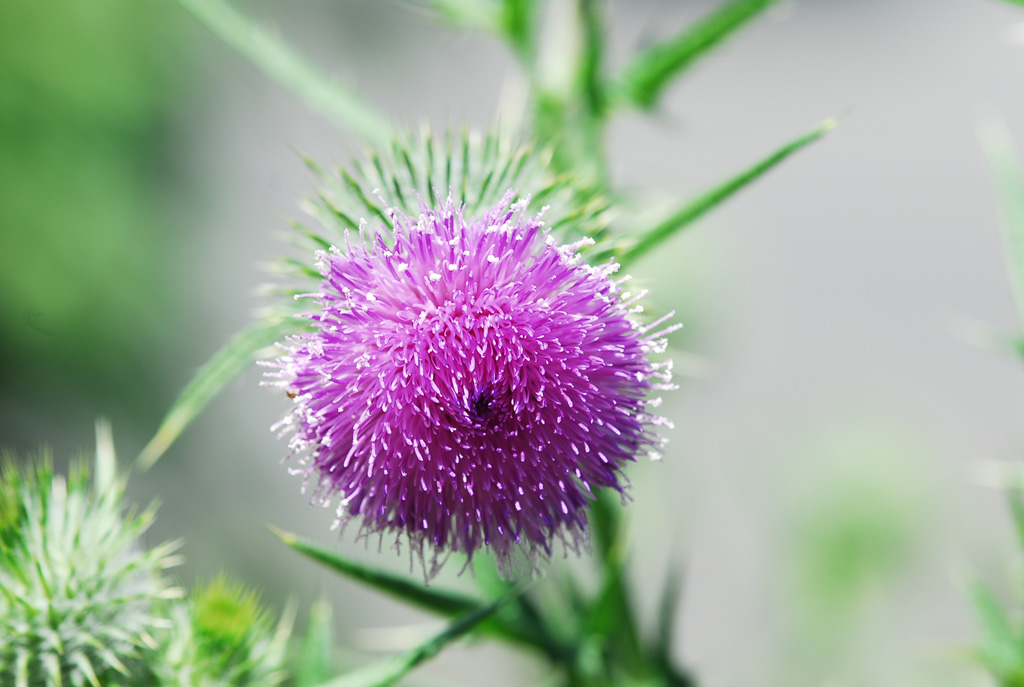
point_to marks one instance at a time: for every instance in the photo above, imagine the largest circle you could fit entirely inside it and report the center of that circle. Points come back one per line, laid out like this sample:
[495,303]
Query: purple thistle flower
[470,382]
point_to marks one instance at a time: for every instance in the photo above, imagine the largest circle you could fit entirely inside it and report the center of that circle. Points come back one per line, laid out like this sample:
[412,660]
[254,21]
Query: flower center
[480,405]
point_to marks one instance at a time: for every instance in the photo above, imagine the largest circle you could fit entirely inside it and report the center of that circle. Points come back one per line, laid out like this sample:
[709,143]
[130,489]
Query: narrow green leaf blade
[667,607]
[697,208]
[651,70]
[1009,177]
[519,624]
[415,593]
[224,366]
[276,59]
[391,670]
[999,648]
[314,665]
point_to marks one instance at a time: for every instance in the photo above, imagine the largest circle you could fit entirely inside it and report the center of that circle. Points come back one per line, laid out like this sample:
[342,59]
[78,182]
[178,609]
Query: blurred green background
[820,486]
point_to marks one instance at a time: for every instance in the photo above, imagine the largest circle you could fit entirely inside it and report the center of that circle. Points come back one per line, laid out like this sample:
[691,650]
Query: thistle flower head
[77,591]
[469,382]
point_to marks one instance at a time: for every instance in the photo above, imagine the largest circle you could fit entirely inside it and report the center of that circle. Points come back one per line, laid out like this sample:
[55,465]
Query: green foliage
[1001,651]
[478,170]
[314,663]
[85,89]
[79,596]
[222,636]
[224,366]
[402,588]
[1010,185]
[695,209]
[513,626]
[394,668]
[268,52]
[651,70]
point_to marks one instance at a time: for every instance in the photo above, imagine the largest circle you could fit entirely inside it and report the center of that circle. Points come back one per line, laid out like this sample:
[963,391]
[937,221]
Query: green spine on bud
[222,636]
[77,590]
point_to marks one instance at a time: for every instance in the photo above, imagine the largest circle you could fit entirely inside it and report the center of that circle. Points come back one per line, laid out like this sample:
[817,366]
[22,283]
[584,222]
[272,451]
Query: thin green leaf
[1010,183]
[651,70]
[314,665]
[999,649]
[415,593]
[519,624]
[1015,496]
[667,607]
[990,613]
[392,669]
[1016,2]
[272,55]
[697,208]
[224,366]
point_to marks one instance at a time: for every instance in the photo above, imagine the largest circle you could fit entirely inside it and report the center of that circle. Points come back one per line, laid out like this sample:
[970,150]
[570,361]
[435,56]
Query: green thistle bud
[77,590]
[222,637]
[478,171]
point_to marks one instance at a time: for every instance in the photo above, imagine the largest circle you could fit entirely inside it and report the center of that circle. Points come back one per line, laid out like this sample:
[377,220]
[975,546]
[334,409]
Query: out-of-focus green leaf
[224,366]
[314,665]
[592,55]
[1015,496]
[517,20]
[272,55]
[650,71]
[697,208]
[391,670]
[511,20]
[999,651]
[667,606]
[1010,183]
[476,15]
[611,616]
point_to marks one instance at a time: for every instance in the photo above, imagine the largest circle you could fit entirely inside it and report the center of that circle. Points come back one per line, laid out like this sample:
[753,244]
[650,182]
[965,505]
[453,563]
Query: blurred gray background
[823,482]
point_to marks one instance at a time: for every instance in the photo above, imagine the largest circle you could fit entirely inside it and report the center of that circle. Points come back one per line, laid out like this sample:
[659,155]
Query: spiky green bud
[478,170]
[77,590]
[222,637]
